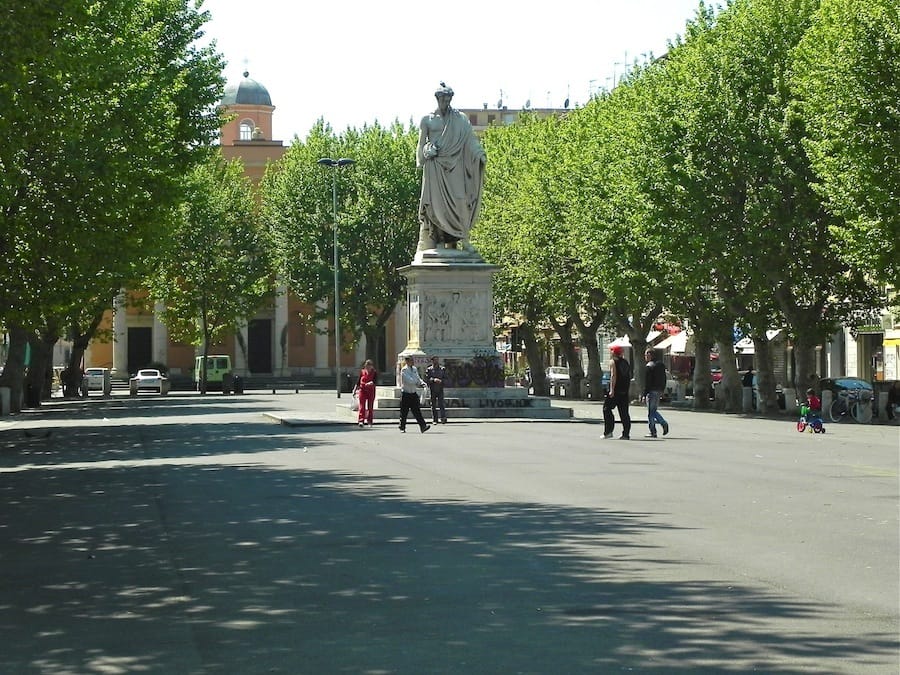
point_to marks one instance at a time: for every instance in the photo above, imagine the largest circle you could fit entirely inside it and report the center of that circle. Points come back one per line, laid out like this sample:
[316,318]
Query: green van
[216,369]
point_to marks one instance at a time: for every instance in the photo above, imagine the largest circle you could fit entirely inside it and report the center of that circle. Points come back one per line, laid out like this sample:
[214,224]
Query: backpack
[623,375]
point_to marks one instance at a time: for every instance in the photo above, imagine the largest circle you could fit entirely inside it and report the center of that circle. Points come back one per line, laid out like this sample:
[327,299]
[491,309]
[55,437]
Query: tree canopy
[103,109]
[376,223]
[216,269]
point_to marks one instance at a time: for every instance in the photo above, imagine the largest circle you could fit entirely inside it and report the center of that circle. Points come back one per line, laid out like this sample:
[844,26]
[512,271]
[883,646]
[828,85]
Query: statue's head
[443,91]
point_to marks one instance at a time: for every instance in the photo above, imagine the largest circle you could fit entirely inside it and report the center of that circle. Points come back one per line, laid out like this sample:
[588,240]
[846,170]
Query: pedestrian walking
[410,382]
[435,375]
[617,397]
[368,379]
[654,386]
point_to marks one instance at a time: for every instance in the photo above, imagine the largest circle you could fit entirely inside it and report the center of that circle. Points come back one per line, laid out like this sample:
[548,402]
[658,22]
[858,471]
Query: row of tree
[749,178]
[104,107]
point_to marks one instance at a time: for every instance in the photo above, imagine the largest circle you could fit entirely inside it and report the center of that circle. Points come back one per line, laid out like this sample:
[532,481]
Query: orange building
[276,341]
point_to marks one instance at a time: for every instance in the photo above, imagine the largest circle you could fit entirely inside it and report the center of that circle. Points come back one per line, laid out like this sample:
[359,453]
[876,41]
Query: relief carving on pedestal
[455,318]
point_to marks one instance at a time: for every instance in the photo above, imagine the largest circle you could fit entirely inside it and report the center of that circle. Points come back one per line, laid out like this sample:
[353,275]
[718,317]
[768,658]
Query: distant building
[482,118]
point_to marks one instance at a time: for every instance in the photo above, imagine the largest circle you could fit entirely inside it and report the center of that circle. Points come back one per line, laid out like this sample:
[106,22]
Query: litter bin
[348,384]
[238,383]
[227,382]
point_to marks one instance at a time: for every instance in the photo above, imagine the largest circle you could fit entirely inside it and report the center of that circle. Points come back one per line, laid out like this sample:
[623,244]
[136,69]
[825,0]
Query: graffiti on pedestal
[484,370]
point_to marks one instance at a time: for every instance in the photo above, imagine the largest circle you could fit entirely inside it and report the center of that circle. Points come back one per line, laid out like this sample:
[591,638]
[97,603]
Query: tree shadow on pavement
[201,567]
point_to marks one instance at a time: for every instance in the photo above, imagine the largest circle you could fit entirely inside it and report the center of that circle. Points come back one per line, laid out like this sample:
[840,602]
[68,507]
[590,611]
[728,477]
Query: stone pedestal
[450,315]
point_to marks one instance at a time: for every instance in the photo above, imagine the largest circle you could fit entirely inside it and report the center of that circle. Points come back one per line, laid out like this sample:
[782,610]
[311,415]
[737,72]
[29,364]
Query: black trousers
[619,401]
[410,402]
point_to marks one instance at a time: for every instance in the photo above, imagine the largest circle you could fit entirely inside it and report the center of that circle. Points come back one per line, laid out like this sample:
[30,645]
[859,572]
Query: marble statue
[452,162]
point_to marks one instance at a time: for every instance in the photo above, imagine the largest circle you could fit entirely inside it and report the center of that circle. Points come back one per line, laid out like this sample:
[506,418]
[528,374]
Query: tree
[217,268]
[103,107]
[847,81]
[384,209]
[622,256]
[520,231]
[377,204]
[733,180]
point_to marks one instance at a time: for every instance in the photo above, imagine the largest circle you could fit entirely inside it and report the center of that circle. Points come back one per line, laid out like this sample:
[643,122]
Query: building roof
[247,92]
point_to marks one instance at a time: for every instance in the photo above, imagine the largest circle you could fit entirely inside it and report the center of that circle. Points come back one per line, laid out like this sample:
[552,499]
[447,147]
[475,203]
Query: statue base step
[487,402]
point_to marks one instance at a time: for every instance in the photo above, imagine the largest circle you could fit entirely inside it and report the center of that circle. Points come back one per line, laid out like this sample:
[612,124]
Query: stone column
[120,336]
[240,358]
[281,330]
[323,345]
[160,336]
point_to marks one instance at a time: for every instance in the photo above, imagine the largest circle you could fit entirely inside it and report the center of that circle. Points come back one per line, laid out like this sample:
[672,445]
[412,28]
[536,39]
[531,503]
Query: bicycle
[852,403]
[810,421]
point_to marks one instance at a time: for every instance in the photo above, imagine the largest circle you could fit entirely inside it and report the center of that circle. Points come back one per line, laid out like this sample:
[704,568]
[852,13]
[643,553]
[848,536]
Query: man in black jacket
[435,375]
[654,386]
[619,383]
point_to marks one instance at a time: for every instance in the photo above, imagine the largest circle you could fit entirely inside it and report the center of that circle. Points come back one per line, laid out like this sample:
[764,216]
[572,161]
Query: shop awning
[676,344]
[624,341]
[746,346]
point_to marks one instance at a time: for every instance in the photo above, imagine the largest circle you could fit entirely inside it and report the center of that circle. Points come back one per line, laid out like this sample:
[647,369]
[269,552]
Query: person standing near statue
[452,162]
[410,383]
[435,375]
[368,380]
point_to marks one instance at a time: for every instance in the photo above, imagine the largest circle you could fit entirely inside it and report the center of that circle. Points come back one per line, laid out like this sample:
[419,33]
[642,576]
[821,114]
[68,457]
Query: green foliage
[377,223]
[689,189]
[216,269]
[847,79]
[103,108]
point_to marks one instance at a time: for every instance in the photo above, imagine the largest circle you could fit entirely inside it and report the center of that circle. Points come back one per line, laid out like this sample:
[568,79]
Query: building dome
[247,92]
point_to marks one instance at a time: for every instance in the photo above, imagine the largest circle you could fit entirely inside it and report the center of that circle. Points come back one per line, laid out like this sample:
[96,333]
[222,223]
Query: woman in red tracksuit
[367,381]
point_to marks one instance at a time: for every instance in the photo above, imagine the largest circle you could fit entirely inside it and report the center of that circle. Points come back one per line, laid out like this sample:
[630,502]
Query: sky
[354,62]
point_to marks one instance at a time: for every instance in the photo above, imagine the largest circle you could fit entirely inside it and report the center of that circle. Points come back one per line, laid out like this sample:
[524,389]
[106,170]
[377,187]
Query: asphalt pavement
[268,534]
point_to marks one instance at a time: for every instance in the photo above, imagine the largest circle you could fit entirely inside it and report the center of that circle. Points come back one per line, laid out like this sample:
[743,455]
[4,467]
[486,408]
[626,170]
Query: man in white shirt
[410,383]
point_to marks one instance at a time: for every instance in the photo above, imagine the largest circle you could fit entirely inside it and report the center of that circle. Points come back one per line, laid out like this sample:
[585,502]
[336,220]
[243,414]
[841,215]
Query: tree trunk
[204,329]
[805,366]
[588,334]
[639,372]
[567,344]
[14,370]
[375,337]
[535,359]
[37,372]
[765,378]
[702,374]
[73,375]
[730,390]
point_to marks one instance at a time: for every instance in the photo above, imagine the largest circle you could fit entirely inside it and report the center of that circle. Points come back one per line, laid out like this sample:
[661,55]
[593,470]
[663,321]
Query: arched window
[246,130]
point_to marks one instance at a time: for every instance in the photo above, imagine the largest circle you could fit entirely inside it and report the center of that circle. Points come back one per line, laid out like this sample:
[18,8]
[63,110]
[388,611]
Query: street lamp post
[336,164]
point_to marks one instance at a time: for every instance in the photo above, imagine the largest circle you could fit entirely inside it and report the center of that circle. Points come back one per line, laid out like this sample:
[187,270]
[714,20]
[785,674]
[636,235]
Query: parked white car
[95,379]
[148,379]
[558,375]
